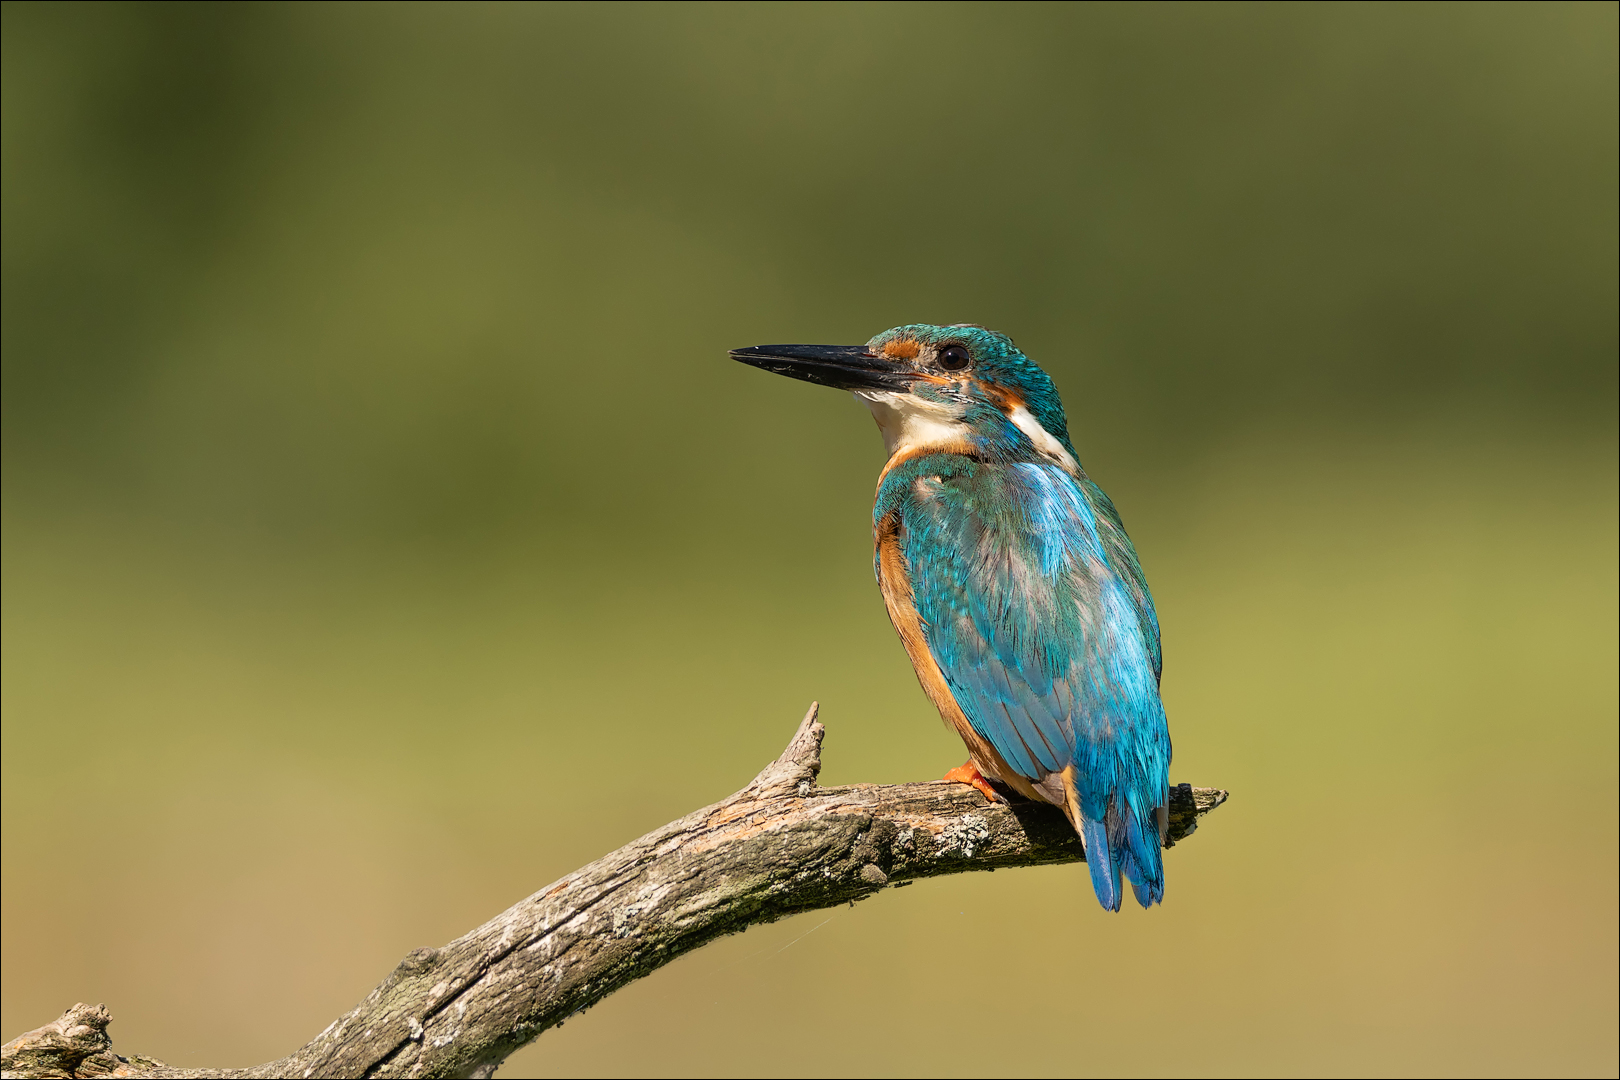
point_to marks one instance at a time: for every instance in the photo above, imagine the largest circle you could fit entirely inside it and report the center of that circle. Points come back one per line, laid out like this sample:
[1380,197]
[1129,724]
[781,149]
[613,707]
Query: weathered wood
[779,846]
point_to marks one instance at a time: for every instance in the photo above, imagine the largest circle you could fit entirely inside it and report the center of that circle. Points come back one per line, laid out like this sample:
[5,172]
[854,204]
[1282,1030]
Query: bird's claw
[970,775]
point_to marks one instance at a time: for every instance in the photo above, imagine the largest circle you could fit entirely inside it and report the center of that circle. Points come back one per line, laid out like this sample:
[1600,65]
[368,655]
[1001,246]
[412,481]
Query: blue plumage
[1013,585]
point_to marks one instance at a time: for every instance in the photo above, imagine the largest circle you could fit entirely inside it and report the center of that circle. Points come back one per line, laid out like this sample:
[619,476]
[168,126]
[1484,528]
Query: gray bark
[779,846]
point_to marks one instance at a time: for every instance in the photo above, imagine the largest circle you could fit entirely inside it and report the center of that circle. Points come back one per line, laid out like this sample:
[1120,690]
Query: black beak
[843,367]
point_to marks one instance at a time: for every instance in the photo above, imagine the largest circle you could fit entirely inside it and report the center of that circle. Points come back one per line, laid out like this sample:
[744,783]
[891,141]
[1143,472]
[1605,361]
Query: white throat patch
[912,424]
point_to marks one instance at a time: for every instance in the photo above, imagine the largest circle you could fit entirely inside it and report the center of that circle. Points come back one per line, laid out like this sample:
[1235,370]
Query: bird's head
[959,388]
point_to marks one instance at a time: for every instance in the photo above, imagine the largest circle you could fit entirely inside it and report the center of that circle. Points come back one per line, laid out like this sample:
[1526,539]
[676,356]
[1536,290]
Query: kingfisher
[1009,577]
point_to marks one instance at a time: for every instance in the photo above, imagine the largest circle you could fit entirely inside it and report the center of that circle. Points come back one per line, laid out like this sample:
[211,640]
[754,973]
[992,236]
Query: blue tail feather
[1100,859]
[1124,845]
[1142,857]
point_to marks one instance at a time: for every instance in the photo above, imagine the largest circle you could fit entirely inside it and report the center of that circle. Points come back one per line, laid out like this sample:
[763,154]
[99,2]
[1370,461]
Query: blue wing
[1121,554]
[1038,616]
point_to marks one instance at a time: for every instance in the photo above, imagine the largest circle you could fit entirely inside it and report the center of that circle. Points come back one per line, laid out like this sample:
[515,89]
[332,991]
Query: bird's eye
[954,358]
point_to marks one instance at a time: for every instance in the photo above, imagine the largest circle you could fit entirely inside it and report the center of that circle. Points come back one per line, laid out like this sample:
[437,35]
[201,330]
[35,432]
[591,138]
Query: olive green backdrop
[386,532]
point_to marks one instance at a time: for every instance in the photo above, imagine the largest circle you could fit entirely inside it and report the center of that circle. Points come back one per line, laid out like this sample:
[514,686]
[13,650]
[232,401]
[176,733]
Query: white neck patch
[1044,440]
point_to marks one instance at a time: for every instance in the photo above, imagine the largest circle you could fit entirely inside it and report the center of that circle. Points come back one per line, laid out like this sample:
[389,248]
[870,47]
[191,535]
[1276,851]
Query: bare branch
[779,846]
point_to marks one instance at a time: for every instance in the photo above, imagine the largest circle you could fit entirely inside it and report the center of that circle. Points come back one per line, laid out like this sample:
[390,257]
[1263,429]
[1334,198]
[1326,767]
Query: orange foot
[969,774]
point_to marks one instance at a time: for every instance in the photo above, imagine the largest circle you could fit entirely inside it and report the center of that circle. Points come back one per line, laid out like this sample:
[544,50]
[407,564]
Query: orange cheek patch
[1003,398]
[902,349]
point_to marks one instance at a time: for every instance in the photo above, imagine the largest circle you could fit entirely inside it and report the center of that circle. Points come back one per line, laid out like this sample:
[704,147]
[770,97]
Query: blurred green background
[386,532]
